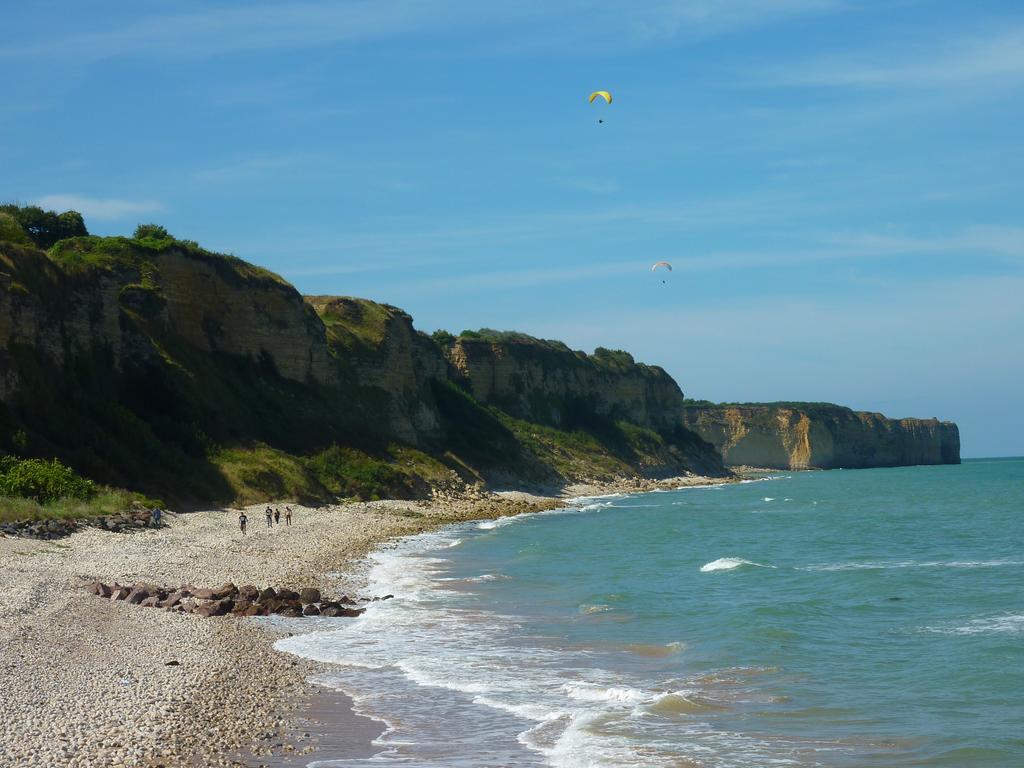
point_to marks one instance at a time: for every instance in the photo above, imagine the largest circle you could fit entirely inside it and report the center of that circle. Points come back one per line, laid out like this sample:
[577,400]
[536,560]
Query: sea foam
[729,564]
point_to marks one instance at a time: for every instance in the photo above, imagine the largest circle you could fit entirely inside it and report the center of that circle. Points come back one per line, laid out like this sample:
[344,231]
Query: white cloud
[995,57]
[99,207]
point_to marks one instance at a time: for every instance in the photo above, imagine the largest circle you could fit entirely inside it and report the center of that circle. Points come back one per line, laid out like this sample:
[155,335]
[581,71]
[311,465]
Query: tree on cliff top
[154,231]
[45,228]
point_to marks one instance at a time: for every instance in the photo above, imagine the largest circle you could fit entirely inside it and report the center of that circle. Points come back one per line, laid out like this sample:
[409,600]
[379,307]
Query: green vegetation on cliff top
[794,404]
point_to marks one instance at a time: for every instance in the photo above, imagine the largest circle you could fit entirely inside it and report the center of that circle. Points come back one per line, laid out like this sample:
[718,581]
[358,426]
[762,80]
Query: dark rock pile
[130,520]
[229,599]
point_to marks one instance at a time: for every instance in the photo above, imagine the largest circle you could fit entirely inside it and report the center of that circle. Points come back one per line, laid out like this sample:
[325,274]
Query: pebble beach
[89,681]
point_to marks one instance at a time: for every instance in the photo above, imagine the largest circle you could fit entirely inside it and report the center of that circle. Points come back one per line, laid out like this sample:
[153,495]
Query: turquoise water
[844,618]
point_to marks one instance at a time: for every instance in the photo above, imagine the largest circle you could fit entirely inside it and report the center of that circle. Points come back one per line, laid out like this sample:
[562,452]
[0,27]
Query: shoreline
[88,679]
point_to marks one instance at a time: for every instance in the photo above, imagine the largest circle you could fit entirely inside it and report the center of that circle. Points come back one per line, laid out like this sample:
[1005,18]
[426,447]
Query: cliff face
[378,348]
[821,436]
[548,383]
[146,362]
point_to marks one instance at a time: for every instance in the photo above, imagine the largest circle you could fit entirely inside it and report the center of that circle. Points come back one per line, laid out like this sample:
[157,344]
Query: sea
[847,618]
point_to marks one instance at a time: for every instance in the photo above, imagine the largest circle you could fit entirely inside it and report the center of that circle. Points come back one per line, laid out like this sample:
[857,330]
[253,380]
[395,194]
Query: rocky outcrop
[57,528]
[821,436]
[548,383]
[230,600]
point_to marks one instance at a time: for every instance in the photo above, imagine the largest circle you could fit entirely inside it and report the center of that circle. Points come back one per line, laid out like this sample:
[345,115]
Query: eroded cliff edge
[154,364]
[821,436]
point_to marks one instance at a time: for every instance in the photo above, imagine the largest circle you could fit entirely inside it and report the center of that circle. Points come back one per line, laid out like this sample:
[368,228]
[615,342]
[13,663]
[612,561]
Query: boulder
[351,611]
[309,595]
[203,594]
[101,589]
[288,594]
[213,608]
[288,608]
[330,609]
[254,610]
[266,595]
[224,606]
[119,592]
[225,590]
[310,610]
[270,605]
[249,592]
[240,606]
[172,600]
[151,602]
[137,595]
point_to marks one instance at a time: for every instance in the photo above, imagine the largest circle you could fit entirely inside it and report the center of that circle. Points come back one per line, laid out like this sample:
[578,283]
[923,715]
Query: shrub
[41,480]
[443,338]
[154,231]
[349,472]
[613,358]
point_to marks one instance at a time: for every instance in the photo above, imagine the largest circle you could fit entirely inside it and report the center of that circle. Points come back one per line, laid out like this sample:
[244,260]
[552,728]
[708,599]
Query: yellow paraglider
[603,94]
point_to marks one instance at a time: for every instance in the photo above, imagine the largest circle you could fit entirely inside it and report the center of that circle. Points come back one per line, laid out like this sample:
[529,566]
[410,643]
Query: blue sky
[839,184]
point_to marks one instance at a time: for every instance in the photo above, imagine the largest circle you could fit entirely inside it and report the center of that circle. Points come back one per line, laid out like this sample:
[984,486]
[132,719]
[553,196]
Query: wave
[878,565]
[765,479]
[575,507]
[612,694]
[729,564]
[431,656]
[1006,624]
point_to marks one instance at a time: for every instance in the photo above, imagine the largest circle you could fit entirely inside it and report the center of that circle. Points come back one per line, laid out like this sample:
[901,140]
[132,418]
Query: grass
[11,231]
[261,473]
[354,326]
[107,501]
[75,254]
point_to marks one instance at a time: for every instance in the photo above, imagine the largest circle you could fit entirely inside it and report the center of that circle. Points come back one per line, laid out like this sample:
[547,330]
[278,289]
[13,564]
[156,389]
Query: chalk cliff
[153,363]
[548,383]
[822,436]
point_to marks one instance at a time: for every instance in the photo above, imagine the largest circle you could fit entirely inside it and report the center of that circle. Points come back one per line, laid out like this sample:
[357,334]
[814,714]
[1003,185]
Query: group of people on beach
[273,517]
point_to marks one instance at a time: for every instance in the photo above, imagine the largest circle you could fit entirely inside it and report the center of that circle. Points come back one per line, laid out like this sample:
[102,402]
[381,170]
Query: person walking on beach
[270,518]
[277,516]
[287,515]
[242,520]
[157,514]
